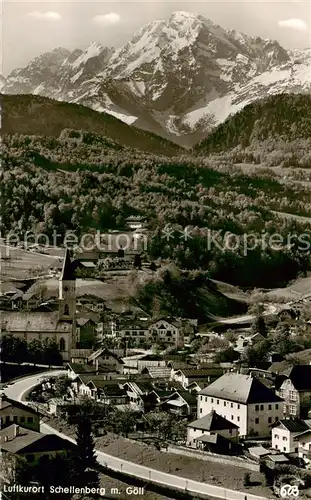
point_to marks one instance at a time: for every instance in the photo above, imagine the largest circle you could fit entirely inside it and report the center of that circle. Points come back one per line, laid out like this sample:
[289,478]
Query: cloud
[107,19]
[294,24]
[54,16]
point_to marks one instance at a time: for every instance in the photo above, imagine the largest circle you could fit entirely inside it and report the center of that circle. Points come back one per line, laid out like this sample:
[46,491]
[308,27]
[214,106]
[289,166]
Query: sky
[31,28]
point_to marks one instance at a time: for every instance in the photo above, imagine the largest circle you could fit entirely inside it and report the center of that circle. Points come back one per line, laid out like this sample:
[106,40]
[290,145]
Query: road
[17,391]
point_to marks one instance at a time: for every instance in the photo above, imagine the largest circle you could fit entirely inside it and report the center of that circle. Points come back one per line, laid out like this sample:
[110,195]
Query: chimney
[16,431]
[96,366]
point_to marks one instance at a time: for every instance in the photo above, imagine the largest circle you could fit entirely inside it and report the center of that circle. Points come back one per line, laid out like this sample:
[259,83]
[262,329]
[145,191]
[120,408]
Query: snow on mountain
[177,77]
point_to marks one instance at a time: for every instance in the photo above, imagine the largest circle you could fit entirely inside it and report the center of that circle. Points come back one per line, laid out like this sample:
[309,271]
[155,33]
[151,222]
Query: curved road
[17,390]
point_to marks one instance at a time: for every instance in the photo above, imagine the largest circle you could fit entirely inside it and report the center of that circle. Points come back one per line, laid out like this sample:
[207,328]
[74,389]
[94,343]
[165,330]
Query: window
[257,420]
[276,436]
[22,419]
[231,405]
[66,310]
[30,420]
[238,407]
[212,400]
[238,419]
[269,407]
[200,410]
[257,408]
[201,397]
[284,448]
[15,419]
[217,401]
[269,420]
[262,407]
[232,417]
[225,404]
[62,345]
[7,419]
[292,409]
[293,395]
[276,406]
[284,438]
[206,399]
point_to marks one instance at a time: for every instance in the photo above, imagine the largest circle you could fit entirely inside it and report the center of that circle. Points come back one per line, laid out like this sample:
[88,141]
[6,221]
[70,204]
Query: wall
[283,440]
[234,412]
[192,434]
[213,457]
[268,413]
[23,418]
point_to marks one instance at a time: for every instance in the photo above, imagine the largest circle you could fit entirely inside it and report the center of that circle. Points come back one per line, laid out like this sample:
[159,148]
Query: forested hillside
[80,185]
[35,115]
[278,128]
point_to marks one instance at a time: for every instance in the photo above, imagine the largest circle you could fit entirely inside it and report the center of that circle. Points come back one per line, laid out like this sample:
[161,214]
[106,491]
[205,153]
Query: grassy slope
[34,115]
[284,116]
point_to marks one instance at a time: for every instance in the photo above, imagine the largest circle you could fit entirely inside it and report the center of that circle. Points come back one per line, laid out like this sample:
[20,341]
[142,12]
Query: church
[59,325]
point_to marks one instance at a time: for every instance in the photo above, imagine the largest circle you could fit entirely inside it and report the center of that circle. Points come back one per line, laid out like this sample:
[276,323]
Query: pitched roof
[17,321]
[86,369]
[293,425]
[212,422]
[240,388]
[158,371]
[22,440]
[103,351]
[300,376]
[67,273]
[6,402]
[202,372]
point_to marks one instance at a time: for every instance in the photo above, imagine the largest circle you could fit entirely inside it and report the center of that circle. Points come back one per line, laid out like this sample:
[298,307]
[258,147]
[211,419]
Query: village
[168,383]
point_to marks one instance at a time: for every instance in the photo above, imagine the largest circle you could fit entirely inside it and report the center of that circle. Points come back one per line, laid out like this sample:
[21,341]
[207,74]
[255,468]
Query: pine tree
[84,460]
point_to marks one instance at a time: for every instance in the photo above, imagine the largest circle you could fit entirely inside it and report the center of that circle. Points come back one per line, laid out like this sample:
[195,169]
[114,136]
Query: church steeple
[67,273]
[67,298]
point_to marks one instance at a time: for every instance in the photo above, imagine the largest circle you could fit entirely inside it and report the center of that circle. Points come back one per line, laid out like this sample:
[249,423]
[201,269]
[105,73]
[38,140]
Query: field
[17,263]
[295,291]
[179,465]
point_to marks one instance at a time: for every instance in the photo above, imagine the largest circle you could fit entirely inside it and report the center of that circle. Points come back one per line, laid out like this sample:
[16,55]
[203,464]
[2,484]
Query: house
[135,222]
[107,392]
[136,392]
[180,403]
[303,440]
[186,376]
[243,400]
[205,431]
[80,356]
[243,342]
[296,391]
[32,445]
[134,331]
[172,331]
[157,372]
[86,329]
[137,363]
[106,359]
[284,433]
[89,301]
[14,412]
[76,369]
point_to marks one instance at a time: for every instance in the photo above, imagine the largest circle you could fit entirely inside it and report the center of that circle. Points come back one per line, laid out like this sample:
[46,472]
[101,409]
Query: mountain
[36,115]
[178,77]
[284,118]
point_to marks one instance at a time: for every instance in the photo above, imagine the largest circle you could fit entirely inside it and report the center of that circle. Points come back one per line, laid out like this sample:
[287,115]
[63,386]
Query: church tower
[67,298]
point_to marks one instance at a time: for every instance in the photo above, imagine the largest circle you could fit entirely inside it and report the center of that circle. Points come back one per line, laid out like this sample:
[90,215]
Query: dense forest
[36,115]
[276,130]
[83,182]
